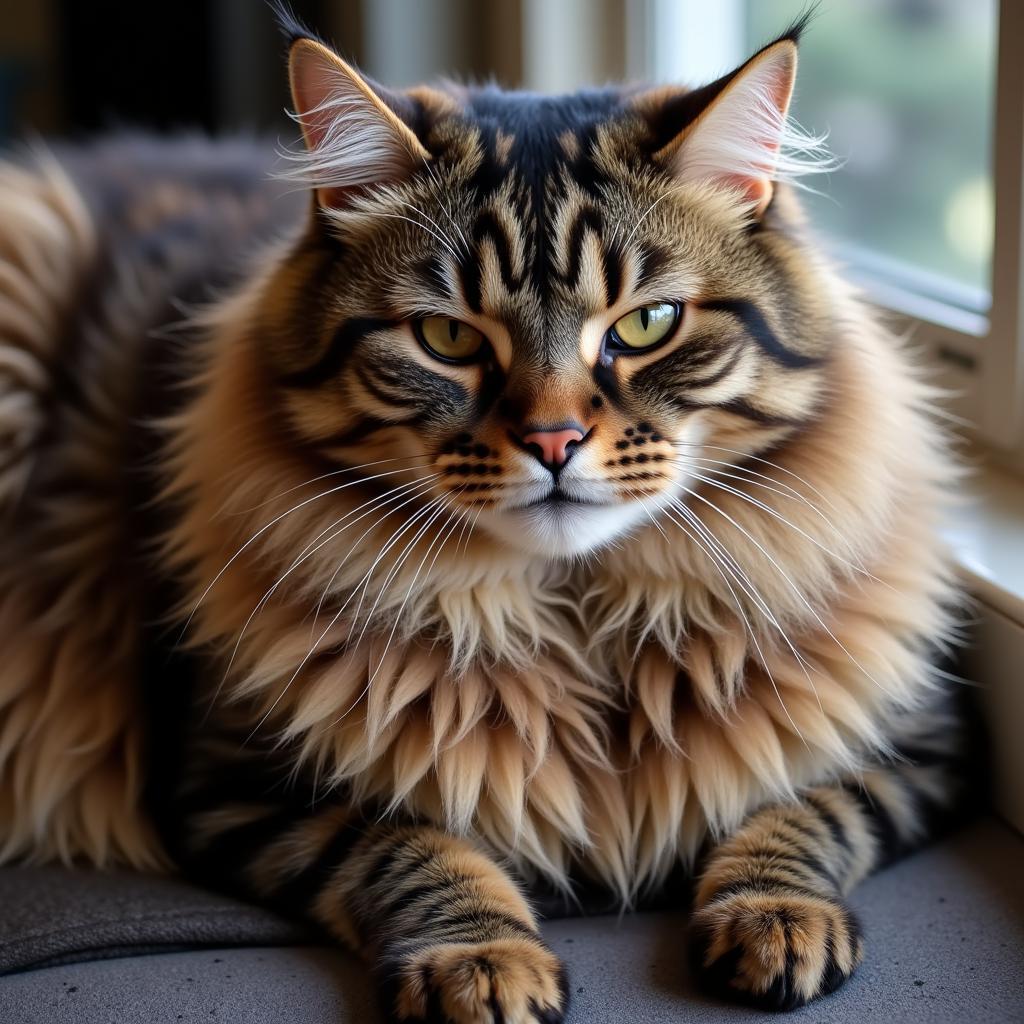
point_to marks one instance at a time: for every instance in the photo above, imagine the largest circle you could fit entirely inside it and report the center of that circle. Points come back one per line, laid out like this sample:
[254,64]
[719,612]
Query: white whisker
[263,529]
[439,186]
[796,590]
[420,224]
[729,489]
[742,577]
[312,547]
[327,476]
[765,462]
[739,608]
[450,524]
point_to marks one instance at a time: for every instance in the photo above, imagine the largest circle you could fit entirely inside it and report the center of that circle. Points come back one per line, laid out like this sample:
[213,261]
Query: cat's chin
[556,530]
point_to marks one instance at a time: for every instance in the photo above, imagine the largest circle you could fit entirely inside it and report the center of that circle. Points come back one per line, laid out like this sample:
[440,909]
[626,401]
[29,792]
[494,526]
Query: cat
[525,506]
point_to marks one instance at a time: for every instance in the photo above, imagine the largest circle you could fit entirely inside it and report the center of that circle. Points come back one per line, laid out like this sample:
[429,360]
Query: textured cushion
[945,944]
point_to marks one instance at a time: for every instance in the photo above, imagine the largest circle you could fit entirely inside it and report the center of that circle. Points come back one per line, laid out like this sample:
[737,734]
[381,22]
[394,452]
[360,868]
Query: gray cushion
[51,914]
[945,944]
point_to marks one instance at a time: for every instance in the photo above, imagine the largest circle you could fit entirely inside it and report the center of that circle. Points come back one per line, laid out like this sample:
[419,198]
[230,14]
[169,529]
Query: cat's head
[548,310]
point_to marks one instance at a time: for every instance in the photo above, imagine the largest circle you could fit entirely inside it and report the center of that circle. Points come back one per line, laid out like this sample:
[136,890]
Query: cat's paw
[504,981]
[775,948]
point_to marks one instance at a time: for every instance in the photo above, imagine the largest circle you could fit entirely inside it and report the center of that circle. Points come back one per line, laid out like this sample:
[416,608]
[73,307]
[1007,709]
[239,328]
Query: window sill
[987,536]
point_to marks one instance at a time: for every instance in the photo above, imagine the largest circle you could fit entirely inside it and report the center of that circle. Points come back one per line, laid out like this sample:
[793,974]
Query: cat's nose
[552,447]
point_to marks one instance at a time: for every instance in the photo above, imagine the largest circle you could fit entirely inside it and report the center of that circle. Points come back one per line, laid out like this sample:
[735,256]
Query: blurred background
[903,87]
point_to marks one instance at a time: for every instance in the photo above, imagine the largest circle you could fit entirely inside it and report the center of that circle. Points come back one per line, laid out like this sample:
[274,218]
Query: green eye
[449,339]
[644,327]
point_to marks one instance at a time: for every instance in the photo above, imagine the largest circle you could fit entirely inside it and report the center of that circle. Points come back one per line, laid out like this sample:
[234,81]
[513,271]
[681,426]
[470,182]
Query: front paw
[775,948]
[504,981]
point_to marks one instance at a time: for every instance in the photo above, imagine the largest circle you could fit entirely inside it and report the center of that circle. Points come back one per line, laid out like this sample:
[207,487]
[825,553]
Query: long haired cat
[533,509]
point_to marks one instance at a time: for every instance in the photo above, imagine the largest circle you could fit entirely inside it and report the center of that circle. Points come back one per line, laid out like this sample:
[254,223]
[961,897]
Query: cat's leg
[770,921]
[446,931]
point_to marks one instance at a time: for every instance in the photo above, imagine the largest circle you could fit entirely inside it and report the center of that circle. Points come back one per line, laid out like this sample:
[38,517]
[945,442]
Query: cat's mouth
[557,498]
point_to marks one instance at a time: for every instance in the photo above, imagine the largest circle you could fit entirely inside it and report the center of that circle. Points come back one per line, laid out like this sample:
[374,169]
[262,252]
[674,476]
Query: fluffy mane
[765,635]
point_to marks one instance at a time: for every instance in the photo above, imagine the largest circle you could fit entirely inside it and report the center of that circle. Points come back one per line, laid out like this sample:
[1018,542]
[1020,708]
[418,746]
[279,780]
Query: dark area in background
[74,67]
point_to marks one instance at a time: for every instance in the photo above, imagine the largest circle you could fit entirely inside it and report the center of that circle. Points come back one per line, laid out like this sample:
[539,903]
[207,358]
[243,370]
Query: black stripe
[757,327]
[367,425]
[612,266]
[379,393]
[488,226]
[330,364]
[763,887]
[588,219]
[432,273]
[831,822]
[652,262]
[720,374]
[479,919]
[739,407]
[298,892]
[223,860]
[801,857]
[880,822]
[604,377]
[385,860]
[404,899]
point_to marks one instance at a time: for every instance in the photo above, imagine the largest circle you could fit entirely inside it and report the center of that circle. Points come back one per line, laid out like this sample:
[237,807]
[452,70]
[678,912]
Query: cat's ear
[353,133]
[742,138]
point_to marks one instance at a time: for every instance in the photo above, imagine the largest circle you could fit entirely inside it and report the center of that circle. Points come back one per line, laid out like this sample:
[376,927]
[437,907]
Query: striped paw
[777,948]
[502,981]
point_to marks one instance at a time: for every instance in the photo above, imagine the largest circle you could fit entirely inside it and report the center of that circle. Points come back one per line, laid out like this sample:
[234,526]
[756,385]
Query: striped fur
[392,684]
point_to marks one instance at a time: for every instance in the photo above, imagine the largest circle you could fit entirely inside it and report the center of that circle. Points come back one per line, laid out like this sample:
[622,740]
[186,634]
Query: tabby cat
[523,506]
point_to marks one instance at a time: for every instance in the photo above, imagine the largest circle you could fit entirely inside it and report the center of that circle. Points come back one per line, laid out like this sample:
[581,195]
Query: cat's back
[105,250]
[107,247]
[177,219]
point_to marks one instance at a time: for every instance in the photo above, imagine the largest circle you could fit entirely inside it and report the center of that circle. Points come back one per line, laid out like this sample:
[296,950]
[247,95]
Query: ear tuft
[291,27]
[353,136]
[744,139]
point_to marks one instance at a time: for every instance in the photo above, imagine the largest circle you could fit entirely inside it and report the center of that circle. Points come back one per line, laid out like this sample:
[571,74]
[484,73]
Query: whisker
[742,577]
[420,224]
[376,503]
[330,583]
[439,186]
[776,486]
[453,521]
[765,462]
[441,505]
[796,590]
[782,519]
[441,232]
[305,659]
[649,211]
[259,533]
[746,623]
[326,476]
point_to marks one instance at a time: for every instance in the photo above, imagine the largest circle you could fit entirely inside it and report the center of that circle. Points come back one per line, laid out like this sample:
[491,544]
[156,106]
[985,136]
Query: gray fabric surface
[50,914]
[945,932]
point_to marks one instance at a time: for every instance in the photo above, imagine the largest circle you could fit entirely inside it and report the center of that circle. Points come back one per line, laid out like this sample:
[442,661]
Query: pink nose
[553,444]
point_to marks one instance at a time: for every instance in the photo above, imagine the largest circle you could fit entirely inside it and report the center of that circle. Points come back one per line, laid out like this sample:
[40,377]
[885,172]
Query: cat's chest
[617,777]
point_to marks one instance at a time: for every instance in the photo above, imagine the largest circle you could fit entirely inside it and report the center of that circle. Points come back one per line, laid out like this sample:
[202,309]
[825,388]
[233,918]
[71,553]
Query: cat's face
[547,310]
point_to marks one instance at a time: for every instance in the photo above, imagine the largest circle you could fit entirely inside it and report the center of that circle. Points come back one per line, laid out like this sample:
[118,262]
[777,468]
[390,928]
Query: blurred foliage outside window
[905,90]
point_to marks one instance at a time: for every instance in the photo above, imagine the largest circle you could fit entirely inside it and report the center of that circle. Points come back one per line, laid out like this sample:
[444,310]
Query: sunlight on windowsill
[987,535]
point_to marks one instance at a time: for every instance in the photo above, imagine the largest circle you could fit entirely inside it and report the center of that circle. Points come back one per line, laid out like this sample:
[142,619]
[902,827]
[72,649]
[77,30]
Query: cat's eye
[643,328]
[449,339]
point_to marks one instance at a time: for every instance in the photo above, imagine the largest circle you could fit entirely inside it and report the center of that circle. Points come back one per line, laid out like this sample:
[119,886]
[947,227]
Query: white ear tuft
[353,138]
[744,138]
